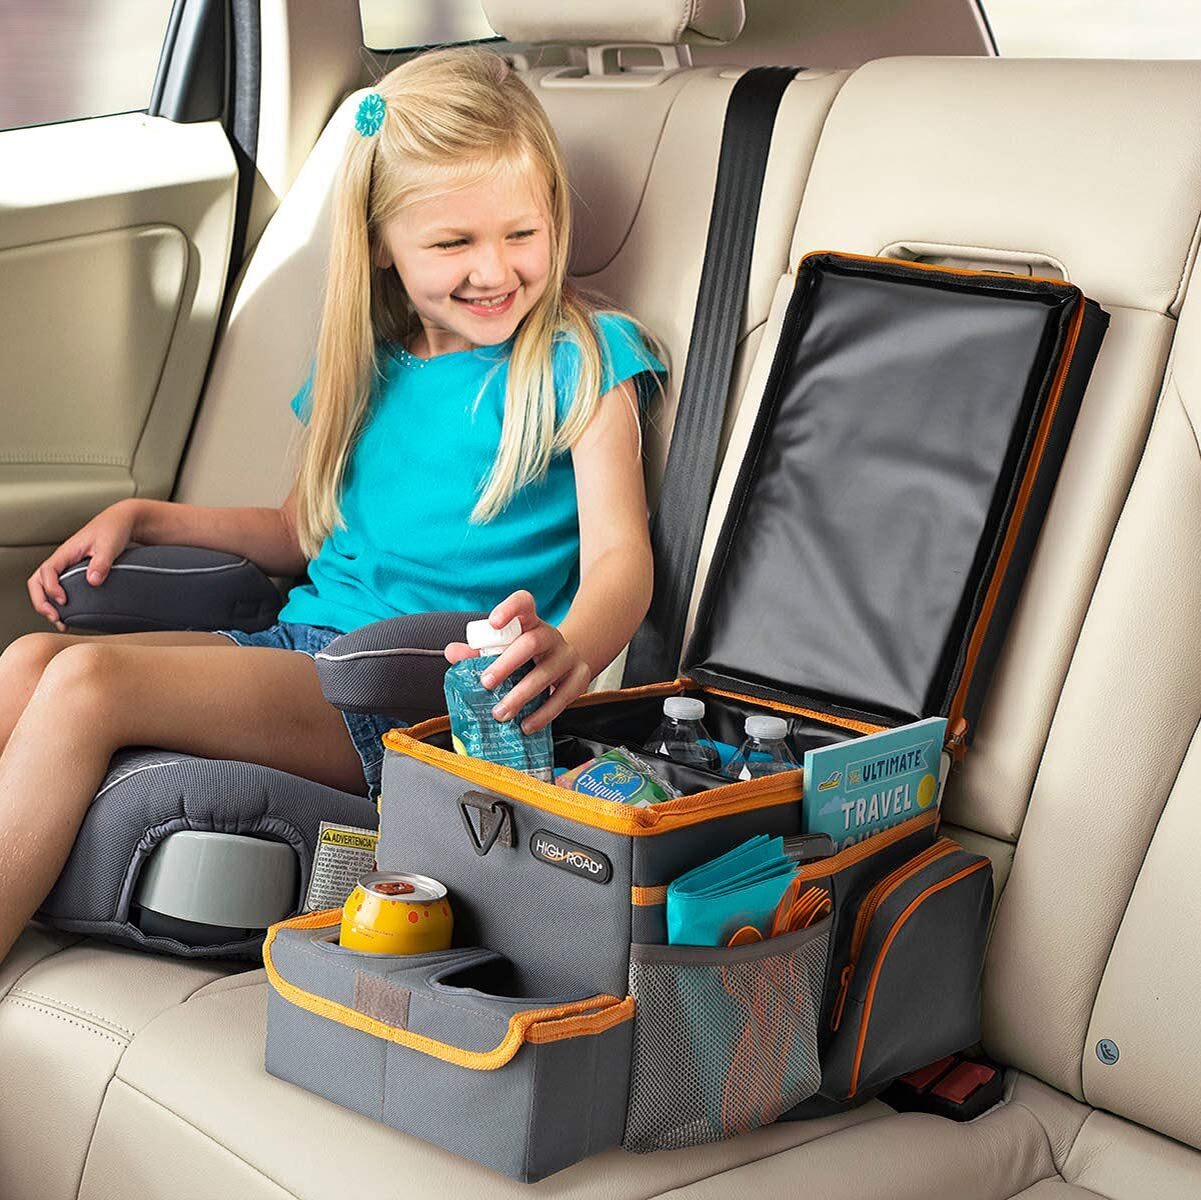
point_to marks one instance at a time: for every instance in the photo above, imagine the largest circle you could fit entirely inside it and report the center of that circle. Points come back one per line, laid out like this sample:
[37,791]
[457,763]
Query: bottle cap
[684,708]
[766,727]
[483,637]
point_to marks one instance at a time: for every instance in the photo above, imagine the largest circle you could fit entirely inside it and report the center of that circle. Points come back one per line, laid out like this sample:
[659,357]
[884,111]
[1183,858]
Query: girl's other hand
[558,664]
[102,538]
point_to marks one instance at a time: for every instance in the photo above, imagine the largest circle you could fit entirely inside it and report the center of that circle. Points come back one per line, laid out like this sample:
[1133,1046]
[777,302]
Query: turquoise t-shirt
[415,474]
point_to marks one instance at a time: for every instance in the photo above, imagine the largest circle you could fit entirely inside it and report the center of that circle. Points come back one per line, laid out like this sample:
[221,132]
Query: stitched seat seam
[58,1015]
[1171,382]
[53,1002]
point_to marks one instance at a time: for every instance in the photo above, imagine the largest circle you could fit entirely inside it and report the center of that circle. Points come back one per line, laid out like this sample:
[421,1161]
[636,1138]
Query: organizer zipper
[957,740]
[879,893]
[869,996]
[813,713]
[685,683]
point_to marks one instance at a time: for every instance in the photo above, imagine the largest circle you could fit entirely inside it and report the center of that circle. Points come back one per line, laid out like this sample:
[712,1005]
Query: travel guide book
[858,788]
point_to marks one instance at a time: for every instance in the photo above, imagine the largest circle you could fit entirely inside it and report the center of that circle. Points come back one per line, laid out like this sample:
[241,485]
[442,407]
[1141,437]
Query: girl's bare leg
[260,705]
[24,660]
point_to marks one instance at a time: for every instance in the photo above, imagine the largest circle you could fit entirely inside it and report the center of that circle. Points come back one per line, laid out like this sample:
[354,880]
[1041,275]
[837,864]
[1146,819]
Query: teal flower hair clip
[370,116]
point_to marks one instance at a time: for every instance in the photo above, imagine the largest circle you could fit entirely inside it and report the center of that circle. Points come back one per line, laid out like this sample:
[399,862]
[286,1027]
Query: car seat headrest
[658,22]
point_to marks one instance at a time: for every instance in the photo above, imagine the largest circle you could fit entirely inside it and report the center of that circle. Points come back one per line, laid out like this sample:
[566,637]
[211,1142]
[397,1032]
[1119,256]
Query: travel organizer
[898,473]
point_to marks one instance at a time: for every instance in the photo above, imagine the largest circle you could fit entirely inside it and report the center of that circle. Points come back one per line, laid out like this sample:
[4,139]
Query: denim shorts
[365,731]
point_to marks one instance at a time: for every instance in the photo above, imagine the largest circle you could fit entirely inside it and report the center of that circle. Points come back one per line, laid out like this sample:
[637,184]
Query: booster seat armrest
[393,668]
[170,587]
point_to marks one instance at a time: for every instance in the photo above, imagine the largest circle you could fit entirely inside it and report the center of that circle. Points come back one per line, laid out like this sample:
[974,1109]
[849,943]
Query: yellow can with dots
[391,913]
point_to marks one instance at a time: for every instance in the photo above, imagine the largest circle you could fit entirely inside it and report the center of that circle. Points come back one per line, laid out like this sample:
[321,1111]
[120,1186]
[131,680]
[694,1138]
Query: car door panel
[114,244]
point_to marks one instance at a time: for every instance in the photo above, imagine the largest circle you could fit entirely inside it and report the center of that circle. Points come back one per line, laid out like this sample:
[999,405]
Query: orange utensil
[745,936]
[813,905]
[779,921]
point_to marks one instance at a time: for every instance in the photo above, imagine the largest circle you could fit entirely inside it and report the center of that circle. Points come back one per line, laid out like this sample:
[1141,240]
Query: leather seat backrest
[644,164]
[1012,165]
[1096,935]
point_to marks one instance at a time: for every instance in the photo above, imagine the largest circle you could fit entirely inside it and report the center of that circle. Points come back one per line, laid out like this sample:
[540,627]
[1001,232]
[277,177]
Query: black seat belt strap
[690,474]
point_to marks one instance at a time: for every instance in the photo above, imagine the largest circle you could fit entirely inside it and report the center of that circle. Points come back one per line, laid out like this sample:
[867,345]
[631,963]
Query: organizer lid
[901,461]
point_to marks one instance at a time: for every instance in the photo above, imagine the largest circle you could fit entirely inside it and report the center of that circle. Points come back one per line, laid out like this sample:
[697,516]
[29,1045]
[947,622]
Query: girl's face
[473,261]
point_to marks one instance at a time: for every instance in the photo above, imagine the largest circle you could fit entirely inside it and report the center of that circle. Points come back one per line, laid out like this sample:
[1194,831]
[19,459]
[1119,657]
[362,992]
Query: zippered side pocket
[909,991]
[871,903]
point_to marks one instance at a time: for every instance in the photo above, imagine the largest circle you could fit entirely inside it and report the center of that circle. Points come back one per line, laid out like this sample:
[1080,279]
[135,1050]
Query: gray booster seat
[195,856]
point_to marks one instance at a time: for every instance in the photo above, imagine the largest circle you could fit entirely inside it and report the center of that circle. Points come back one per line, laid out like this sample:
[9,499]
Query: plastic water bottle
[681,736]
[765,752]
[474,730]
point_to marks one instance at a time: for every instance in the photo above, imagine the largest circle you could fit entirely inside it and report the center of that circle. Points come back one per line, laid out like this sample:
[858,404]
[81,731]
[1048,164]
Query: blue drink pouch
[474,730]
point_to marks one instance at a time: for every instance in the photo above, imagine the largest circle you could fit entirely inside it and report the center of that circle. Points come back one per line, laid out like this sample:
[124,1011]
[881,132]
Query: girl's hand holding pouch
[558,664]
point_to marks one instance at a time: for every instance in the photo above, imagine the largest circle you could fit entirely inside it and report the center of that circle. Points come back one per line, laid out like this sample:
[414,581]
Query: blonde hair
[452,118]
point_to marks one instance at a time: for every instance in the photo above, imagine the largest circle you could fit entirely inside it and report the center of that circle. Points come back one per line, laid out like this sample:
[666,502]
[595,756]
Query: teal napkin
[741,887]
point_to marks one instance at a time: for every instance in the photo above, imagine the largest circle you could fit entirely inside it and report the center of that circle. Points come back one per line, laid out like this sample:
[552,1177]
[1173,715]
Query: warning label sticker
[344,855]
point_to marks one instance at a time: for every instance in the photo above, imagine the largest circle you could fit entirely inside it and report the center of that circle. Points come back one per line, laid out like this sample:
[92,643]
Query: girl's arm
[616,568]
[266,536]
[615,573]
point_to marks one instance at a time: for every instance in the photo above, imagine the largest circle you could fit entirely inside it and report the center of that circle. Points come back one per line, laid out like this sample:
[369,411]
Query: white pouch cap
[766,727]
[487,640]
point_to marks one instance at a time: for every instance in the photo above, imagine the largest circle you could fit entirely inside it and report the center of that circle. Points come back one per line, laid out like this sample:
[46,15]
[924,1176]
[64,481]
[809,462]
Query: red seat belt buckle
[954,1087]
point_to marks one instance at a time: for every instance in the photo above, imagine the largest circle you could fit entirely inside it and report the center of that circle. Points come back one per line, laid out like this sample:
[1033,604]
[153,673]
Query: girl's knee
[27,657]
[85,676]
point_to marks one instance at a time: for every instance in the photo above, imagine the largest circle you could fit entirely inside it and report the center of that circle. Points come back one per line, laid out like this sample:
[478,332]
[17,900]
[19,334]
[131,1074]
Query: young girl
[472,440]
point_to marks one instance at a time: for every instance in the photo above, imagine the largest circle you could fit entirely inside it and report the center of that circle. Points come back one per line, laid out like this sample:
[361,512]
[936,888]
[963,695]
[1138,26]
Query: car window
[1095,28]
[388,25]
[65,59]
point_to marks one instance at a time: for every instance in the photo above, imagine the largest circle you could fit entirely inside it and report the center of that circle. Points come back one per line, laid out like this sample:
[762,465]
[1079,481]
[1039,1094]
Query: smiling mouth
[486,304]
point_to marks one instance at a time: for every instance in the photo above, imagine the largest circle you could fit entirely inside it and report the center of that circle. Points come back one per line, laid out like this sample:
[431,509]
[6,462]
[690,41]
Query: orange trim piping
[582,1018]
[869,846]
[587,1025]
[940,270]
[825,718]
[870,995]
[871,902]
[648,897]
[1015,521]
[747,796]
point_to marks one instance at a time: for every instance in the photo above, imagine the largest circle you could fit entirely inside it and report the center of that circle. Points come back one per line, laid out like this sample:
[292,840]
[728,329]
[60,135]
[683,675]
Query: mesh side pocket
[725,1040]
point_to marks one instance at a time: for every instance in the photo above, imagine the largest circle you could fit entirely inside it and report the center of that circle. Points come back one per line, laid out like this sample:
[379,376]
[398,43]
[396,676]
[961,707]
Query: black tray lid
[872,505]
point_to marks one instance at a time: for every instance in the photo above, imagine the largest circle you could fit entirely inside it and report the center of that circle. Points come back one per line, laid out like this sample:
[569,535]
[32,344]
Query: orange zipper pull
[844,986]
[957,742]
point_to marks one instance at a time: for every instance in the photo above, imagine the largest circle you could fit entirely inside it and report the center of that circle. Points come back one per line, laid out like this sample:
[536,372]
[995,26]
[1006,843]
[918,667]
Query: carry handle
[496,821]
